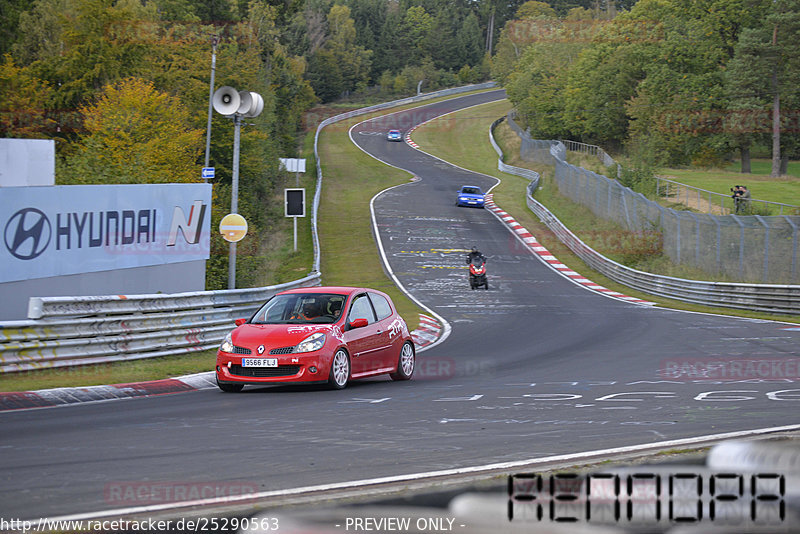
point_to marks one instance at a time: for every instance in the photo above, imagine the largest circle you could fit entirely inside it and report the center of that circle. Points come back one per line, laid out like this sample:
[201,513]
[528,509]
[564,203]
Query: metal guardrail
[750,248]
[532,175]
[771,298]
[72,331]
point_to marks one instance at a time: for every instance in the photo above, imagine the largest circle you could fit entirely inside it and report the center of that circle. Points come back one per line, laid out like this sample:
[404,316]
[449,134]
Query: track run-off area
[537,366]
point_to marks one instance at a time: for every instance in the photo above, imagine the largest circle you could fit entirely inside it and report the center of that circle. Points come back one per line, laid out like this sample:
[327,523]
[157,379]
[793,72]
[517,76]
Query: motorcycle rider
[475,254]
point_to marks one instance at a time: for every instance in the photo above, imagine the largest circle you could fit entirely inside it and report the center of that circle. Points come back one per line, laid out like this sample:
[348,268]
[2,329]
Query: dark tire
[340,370]
[229,388]
[406,363]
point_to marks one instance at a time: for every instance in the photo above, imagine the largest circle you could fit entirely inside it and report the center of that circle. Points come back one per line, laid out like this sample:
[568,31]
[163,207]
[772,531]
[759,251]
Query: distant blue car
[394,135]
[470,195]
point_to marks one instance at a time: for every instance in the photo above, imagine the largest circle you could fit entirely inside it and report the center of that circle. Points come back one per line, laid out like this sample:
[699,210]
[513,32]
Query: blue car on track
[394,135]
[470,195]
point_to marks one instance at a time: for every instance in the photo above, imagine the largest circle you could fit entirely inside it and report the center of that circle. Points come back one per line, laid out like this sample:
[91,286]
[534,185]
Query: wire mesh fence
[751,248]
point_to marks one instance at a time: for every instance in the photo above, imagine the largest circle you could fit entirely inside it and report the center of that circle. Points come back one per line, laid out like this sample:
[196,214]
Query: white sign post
[295,165]
[294,206]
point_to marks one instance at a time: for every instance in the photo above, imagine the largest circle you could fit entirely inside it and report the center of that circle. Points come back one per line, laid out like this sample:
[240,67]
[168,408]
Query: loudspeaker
[257,107]
[226,100]
[252,104]
[245,101]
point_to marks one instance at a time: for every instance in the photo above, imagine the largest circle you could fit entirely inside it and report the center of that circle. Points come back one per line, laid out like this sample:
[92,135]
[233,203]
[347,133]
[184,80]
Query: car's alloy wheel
[405,363]
[340,370]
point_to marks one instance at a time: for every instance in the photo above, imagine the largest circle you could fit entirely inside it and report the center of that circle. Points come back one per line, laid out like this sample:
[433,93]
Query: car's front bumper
[290,368]
[473,202]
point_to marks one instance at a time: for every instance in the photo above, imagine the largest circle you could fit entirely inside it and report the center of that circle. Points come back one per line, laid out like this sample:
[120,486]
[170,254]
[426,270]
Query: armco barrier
[70,331]
[771,298]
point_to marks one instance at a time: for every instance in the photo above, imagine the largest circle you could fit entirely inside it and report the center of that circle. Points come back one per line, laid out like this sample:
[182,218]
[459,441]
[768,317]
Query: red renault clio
[317,334]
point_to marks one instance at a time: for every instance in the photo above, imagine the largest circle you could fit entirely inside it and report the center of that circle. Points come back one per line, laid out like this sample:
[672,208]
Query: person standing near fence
[744,199]
[737,197]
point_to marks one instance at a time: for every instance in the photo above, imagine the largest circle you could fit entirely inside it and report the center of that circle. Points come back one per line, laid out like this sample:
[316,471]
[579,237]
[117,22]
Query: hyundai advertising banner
[72,229]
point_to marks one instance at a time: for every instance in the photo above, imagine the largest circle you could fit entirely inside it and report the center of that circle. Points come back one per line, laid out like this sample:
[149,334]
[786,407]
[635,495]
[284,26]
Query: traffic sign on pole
[208,173]
[233,227]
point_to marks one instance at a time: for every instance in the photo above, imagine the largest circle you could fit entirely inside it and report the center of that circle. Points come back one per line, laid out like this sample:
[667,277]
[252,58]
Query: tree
[136,134]
[23,103]
[763,76]
[10,14]
[536,10]
[415,34]
[340,65]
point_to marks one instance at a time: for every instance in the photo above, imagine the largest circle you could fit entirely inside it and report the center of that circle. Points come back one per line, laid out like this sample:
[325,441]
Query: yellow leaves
[138,134]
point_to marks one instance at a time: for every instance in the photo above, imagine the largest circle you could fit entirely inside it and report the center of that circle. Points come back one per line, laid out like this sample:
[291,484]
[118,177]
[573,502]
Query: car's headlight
[227,344]
[463,198]
[311,343]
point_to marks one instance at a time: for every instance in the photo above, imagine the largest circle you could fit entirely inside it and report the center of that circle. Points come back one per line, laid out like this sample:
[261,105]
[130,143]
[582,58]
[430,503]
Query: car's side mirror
[239,322]
[358,323]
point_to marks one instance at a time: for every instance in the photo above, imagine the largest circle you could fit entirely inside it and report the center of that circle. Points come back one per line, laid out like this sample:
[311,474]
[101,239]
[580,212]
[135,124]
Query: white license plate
[259,362]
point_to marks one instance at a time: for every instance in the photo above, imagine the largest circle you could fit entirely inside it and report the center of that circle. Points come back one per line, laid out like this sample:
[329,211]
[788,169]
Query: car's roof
[394,131]
[338,290]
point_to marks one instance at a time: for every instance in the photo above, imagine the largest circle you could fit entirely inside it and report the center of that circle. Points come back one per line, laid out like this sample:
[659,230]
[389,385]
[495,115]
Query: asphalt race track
[535,366]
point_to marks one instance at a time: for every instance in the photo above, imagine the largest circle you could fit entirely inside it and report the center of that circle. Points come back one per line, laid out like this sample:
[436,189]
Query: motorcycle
[477,274]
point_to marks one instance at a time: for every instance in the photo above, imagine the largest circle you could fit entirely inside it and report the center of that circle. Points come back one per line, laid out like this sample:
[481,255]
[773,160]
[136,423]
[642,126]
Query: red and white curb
[552,261]
[46,398]
[428,332]
[408,137]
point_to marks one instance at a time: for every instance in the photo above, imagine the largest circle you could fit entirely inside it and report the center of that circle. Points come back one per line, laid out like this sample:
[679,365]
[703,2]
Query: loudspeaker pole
[237,126]
[235,105]
[211,96]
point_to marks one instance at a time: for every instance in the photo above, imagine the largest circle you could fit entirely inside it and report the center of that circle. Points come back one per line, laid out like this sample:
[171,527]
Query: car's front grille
[241,350]
[265,372]
[282,350]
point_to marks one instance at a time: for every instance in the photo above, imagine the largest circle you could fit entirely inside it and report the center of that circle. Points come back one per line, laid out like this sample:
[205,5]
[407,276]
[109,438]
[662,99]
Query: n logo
[191,228]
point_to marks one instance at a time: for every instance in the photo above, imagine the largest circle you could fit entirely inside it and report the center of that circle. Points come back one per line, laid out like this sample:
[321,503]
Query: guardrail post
[764,277]
[794,244]
[696,238]
[678,235]
[741,245]
[719,239]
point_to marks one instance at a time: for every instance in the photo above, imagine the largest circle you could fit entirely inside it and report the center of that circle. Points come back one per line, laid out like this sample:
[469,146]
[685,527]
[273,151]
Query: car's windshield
[471,191]
[301,308]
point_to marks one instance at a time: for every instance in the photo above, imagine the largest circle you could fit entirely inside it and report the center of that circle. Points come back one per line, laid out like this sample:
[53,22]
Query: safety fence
[72,331]
[742,247]
[772,298]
